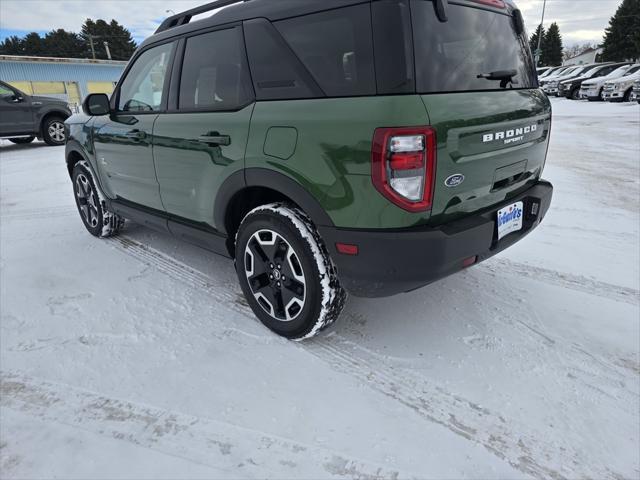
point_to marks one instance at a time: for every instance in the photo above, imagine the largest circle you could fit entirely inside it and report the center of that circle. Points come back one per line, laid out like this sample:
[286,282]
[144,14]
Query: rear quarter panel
[332,155]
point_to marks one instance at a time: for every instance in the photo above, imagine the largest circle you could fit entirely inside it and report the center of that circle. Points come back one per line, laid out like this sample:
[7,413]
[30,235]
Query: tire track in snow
[475,423]
[523,449]
[237,451]
[618,293]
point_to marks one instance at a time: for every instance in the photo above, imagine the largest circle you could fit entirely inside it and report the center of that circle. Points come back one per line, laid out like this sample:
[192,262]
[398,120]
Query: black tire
[627,95]
[295,268]
[22,141]
[575,94]
[98,220]
[53,131]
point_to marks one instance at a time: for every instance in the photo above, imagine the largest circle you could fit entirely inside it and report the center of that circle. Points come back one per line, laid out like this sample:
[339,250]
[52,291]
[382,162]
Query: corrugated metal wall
[80,73]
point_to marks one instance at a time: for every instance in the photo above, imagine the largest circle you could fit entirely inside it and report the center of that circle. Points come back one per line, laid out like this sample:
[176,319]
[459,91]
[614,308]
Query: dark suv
[24,117]
[372,146]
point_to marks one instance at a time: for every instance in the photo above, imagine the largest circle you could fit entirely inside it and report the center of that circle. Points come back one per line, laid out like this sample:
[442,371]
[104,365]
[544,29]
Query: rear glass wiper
[505,77]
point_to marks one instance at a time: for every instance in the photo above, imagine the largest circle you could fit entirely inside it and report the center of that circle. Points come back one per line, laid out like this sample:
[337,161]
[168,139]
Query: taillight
[492,3]
[403,166]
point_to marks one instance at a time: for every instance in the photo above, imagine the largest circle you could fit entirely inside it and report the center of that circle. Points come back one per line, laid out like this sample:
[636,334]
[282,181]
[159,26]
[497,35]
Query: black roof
[270,9]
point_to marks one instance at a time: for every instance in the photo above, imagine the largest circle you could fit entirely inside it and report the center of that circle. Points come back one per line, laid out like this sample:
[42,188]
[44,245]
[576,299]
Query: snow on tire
[92,205]
[286,273]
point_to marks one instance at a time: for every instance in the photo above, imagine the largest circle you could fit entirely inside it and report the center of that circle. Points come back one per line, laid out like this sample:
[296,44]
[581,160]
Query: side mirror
[17,99]
[96,105]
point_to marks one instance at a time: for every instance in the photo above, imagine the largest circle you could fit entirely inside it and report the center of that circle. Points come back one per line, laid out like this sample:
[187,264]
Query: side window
[6,92]
[143,88]
[276,72]
[214,73]
[336,47]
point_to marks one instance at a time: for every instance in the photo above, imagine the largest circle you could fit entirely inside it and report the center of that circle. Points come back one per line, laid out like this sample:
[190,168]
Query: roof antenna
[441,9]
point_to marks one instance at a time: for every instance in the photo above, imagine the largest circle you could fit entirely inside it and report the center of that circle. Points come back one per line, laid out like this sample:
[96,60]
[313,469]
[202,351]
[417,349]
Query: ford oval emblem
[454,180]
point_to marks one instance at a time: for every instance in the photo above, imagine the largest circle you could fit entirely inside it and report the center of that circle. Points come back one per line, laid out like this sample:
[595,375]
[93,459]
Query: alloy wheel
[275,275]
[87,200]
[56,131]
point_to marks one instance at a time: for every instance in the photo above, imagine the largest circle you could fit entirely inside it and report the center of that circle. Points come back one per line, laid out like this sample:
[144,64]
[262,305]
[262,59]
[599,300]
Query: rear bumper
[392,262]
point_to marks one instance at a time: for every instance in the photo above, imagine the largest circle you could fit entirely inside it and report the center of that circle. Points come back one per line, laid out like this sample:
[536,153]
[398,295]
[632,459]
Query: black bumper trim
[396,261]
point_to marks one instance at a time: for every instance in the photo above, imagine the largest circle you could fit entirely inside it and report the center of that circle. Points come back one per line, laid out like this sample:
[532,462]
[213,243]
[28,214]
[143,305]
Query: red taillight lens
[406,161]
[403,166]
[492,3]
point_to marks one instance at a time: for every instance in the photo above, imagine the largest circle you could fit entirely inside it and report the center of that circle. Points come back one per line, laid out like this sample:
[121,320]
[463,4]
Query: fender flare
[262,177]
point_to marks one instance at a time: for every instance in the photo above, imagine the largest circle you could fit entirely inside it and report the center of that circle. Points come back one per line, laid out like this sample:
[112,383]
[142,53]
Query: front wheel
[97,218]
[22,141]
[286,273]
[53,131]
[575,94]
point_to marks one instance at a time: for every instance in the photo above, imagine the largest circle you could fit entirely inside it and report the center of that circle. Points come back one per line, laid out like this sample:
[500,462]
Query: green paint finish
[281,142]
[124,158]
[461,121]
[190,172]
[332,160]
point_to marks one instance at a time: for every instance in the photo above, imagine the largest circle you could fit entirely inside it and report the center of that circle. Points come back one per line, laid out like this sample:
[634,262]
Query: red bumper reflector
[346,249]
[469,262]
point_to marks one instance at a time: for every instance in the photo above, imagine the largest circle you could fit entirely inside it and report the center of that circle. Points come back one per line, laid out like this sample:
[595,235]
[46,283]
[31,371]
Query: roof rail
[186,16]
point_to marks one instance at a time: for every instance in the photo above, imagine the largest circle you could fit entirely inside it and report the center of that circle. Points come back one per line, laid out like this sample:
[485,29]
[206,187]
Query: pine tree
[60,43]
[622,37]
[552,49]
[33,45]
[13,45]
[121,44]
[533,42]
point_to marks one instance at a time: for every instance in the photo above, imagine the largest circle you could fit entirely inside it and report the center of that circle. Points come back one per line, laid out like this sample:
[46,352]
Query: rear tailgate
[477,79]
[499,149]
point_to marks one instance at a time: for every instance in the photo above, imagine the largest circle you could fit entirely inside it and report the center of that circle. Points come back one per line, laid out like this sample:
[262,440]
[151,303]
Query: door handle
[215,139]
[136,135]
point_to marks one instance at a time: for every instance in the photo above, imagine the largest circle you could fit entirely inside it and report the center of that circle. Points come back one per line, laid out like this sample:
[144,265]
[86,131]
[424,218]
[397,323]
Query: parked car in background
[592,89]
[316,161]
[619,90]
[542,70]
[635,94]
[571,88]
[551,87]
[24,117]
[552,74]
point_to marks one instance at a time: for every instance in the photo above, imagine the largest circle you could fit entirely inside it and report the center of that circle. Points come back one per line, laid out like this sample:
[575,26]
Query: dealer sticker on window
[510,219]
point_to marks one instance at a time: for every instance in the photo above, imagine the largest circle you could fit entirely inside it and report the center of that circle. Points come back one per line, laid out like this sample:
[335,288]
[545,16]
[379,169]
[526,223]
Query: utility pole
[93,50]
[106,47]
[538,50]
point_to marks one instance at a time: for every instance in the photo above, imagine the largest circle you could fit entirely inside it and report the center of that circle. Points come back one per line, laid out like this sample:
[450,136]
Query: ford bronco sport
[368,146]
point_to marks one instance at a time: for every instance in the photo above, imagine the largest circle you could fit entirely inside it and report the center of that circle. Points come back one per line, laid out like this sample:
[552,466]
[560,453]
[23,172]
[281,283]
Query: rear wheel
[22,141]
[97,218]
[53,131]
[286,273]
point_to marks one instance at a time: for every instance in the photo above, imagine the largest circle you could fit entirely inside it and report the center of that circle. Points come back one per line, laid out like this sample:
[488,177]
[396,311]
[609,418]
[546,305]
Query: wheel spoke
[275,275]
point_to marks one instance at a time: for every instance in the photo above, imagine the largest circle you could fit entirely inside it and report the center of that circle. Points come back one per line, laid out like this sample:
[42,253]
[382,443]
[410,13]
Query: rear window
[450,55]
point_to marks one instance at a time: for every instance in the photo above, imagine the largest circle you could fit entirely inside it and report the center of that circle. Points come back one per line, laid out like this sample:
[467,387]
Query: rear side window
[336,47]
[214,73]
[449,56]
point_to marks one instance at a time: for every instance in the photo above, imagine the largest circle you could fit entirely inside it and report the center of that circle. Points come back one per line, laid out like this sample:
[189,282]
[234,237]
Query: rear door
[123,140]
[201,140]
[492,133]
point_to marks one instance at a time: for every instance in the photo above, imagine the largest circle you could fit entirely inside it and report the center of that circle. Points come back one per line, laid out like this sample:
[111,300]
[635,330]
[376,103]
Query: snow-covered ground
[137,357]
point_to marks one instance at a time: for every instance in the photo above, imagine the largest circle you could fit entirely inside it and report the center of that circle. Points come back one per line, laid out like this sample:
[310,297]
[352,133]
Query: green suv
[368,146]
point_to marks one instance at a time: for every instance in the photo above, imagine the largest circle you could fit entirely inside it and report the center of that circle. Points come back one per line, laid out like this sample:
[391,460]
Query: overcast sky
[580,20]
